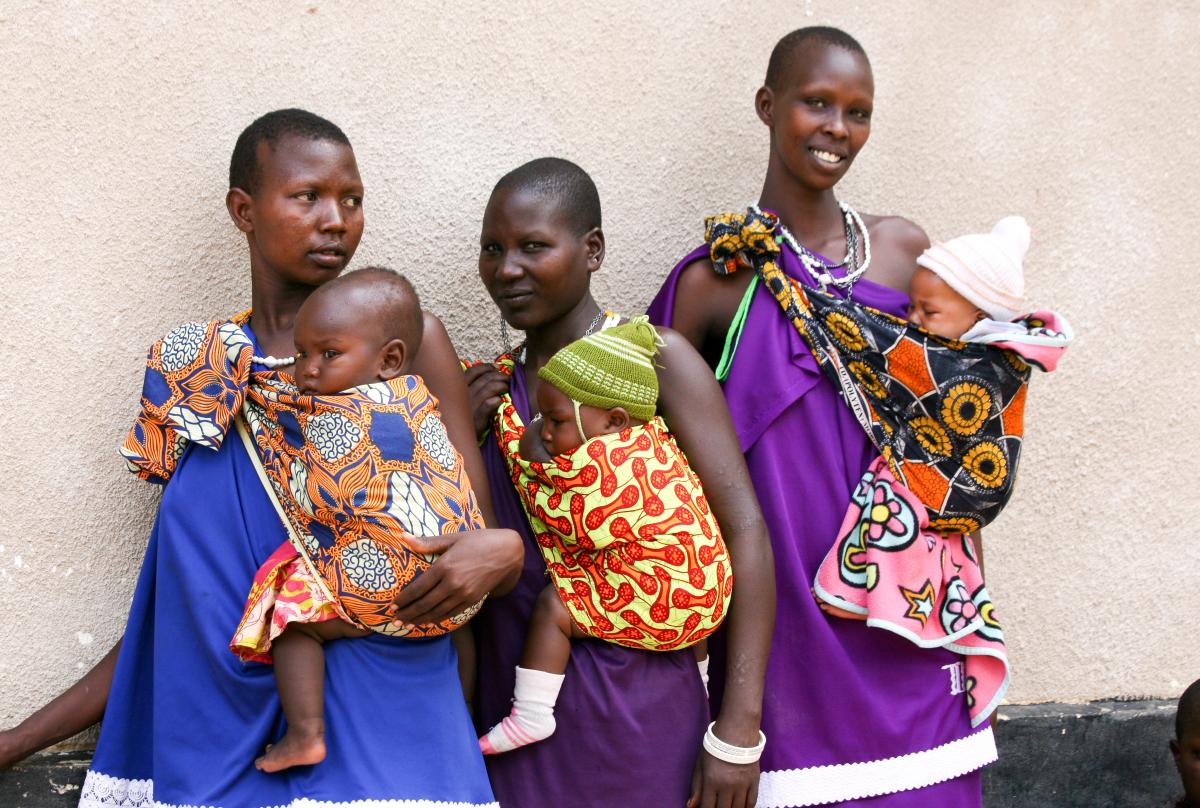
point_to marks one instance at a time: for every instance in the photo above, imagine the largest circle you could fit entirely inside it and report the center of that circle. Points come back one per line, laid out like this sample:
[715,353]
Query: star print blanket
[947,417]
[354,476]
[630,542]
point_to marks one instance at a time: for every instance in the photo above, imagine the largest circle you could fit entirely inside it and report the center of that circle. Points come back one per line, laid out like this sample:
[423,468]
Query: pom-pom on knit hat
[611,368]
[985,268]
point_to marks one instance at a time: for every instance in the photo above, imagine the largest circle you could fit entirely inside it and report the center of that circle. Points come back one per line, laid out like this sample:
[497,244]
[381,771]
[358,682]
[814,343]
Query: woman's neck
[813,216]
[543,342]
[273,312]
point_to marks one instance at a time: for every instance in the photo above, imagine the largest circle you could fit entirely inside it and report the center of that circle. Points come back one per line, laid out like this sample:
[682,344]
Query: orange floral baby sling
[629,540]
[352,475]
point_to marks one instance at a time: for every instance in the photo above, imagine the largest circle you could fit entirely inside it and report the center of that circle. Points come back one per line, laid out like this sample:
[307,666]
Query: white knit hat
[985,268]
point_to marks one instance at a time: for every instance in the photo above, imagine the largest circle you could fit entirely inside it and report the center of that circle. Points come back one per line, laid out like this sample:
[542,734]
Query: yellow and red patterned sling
[630,542]
[354,476]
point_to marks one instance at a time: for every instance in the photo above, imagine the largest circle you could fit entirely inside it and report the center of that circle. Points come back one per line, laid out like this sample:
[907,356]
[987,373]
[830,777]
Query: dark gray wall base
[48,780]
[1107,753]
[1111,753]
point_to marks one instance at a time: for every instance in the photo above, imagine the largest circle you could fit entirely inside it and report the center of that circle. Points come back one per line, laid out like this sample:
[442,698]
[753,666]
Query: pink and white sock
[532,716]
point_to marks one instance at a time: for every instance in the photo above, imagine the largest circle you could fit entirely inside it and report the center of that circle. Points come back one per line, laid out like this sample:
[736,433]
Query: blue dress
[186,717]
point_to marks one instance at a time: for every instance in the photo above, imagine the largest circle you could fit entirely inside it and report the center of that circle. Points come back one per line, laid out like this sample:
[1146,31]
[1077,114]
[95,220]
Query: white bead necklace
[274,361]
[818,269]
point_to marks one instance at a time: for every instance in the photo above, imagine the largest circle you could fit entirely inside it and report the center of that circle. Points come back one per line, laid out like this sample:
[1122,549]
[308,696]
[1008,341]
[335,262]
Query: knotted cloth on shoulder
[627,534]
[354,476]
[946,415]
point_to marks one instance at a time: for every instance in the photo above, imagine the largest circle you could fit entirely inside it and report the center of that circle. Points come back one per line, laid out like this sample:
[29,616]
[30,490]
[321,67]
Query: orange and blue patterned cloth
[627,534]
[947,417]
[353,476]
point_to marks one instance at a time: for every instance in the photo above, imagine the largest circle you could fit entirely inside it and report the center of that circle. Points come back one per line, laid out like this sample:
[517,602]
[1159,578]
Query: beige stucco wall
[115,136]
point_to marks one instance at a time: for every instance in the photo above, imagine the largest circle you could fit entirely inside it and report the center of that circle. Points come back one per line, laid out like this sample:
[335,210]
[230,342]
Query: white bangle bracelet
[730,753]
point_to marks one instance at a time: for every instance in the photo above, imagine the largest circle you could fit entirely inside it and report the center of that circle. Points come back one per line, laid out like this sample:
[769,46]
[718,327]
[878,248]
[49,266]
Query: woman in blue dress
[185,717]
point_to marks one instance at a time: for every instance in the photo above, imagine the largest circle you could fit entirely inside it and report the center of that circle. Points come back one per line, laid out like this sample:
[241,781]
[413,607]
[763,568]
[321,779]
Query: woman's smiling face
[534,266]
[820,114]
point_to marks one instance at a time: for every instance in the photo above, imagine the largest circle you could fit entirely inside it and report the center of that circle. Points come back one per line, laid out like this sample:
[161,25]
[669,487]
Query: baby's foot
[532,716]
[834,611]
[301,745]
[515,731]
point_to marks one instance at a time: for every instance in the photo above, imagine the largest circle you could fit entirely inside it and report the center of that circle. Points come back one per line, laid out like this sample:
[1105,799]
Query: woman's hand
[485,385]
[724,784]
[479,562]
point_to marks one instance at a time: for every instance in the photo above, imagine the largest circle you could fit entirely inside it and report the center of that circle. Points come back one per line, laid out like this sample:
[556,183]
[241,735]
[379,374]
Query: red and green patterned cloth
[627,534]
[353,476]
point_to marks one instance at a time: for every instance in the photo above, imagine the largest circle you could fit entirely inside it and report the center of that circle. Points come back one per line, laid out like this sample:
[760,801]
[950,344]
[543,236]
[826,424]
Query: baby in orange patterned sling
[355,458]
[633,551]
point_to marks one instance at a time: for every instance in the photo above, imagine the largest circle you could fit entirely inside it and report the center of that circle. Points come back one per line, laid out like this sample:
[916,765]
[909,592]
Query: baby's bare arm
[532,448]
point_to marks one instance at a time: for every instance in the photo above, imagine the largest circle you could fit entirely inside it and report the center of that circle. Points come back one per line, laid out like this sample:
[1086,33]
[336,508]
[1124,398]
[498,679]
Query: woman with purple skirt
[855,716]
[633,726]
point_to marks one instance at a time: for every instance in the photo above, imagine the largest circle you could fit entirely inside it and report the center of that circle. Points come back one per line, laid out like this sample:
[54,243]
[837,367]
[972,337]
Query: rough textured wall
[116,132]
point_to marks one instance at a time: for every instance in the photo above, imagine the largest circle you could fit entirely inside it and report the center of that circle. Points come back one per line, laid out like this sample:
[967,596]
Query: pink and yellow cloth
[353,476]
[628,537]
[947,417]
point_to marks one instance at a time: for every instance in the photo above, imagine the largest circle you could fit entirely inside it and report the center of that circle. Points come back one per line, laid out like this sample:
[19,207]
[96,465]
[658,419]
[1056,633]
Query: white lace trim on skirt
[817,785]
[104,791]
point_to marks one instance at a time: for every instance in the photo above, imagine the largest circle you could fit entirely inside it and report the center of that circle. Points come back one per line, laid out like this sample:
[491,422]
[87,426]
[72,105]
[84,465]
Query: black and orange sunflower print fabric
[947,415]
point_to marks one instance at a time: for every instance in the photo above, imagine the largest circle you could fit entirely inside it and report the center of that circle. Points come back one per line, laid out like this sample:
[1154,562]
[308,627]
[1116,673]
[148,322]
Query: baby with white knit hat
[972,285]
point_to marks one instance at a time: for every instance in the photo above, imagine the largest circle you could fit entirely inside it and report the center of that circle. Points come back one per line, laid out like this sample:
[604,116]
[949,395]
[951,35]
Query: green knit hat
[611,368]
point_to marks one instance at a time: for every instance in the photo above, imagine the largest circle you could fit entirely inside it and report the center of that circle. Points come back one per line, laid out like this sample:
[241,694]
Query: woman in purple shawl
[838,694]
[629,722]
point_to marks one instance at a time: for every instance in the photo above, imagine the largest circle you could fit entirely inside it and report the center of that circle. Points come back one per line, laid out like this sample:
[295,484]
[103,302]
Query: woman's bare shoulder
[896,243]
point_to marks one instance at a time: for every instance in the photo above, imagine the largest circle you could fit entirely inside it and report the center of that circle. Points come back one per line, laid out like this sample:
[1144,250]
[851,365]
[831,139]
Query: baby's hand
[532,448]
[834,611]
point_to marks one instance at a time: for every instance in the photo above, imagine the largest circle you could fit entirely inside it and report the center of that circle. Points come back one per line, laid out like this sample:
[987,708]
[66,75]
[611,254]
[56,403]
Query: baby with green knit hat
[597,385]
[604,386]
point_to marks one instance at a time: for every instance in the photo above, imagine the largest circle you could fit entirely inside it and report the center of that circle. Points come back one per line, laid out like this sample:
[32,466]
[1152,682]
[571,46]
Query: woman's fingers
[425,606]
[416,589]
[441,610]
[485,385]
[693,800]
[479,562]
[483,376]
[726,785]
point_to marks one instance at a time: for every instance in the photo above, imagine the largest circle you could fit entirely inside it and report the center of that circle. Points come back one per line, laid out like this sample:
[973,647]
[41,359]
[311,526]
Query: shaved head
[381,296]
[566,184]
[788,49]
[244,170]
